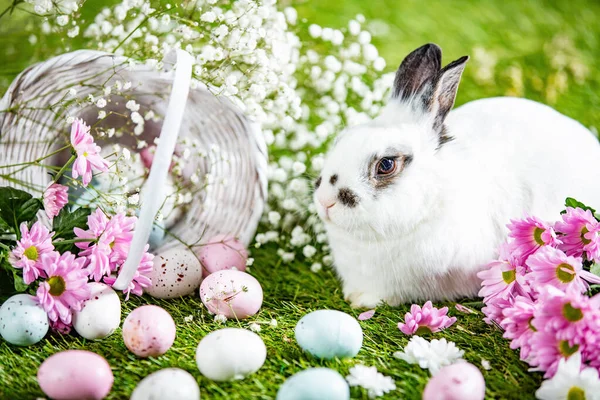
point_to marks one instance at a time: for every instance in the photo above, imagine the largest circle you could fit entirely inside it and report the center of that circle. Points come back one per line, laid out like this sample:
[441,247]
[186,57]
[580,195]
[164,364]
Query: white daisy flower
[571,382]
[431,355]
[369,378]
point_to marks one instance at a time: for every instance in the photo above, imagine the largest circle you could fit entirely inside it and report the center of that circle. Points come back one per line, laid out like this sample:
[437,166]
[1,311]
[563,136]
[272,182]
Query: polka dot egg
[22,320]
[222,252]
[176,272]
[149,331]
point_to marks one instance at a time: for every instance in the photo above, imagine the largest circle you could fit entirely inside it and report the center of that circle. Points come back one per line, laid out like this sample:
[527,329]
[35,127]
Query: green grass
[520,35]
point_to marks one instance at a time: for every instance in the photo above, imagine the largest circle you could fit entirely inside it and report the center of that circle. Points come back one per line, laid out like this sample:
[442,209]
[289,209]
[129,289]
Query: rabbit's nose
[327,203]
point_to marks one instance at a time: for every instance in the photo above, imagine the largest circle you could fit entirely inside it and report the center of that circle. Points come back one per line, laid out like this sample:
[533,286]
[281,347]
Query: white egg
[167,384]
[100,315]
[230,354]
[176,272]
[22,320]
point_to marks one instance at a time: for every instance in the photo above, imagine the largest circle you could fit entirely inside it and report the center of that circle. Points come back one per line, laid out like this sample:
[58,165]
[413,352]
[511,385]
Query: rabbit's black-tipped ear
[444,94]
[420,67]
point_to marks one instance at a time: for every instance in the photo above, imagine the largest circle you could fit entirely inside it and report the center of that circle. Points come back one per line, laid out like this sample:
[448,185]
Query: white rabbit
[417,200]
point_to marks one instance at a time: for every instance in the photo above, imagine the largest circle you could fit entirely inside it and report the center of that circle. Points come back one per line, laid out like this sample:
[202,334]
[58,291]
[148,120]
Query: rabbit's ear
[444,94]
[419,68]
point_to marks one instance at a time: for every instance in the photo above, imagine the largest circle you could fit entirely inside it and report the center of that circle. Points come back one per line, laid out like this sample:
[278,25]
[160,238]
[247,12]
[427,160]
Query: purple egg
[149,331]
[75,375]
[459,381]
[222,252]
[231,293]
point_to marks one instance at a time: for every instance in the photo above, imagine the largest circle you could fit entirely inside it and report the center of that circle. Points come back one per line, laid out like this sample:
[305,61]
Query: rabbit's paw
[363,300]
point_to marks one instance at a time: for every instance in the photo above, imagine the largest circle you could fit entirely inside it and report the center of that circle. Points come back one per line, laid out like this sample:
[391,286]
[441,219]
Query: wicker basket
[32,132]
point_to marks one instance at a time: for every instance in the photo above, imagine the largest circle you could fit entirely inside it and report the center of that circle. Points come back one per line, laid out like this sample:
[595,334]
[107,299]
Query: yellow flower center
[531,324]
[85,154]
[571,313]
[583,238]
[422,330]
[576,393]
[31,253]
[566,350]
[57,285]
[537,236]
[509,276]
[565,273]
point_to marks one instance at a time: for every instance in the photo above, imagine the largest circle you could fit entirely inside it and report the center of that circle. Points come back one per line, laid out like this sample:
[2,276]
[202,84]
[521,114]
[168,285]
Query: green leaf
[66,221]
[17,206]
[20,285]
[571,202]
[595,269]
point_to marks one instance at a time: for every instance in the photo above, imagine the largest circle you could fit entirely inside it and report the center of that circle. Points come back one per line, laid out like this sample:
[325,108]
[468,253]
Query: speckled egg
[22,320]
[176,272]
[222,252]
[459,381]
[230,354]
[234,294]
[315,384]
[167,384]
[149,331]
[100,315]
[75,375]
[329,334]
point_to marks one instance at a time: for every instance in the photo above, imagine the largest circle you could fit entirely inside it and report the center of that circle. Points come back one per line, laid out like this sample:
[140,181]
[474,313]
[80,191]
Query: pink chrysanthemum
[494,309]
[517,324]
[529,234]
[502,278]
[140,280]
[60,327]
[55,198]
[581,233]
[88,153]
[425,320]
[30,248]
[66,287]
[550,266]
[548,348]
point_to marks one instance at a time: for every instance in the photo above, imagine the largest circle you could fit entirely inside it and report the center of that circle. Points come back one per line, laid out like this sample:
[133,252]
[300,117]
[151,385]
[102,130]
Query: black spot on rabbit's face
[348,197]
[333,180]
[318,182]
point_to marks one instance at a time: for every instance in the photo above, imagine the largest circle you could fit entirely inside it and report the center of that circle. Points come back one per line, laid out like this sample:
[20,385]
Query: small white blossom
[132,106]
[486,364]
[209,17]
[274,217]
[316,267]
[73,32]
[315,31]
[101,114]
[62,20]
[189,318]
[220,318]
[273,323]
[431,355]
[369,378]
[309,251]
[254,327]
[101,103]
[72,92]
[249,261]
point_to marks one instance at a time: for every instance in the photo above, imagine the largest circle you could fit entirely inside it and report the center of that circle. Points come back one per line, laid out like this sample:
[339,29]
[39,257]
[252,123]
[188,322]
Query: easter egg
[75,375]
[328,334]
[231,293]
[149,331]
[157,234]
[167,384]
[100,315]
[176,272]
[314,384]
[22,320]
[459,381]
[230,354]
[222,252]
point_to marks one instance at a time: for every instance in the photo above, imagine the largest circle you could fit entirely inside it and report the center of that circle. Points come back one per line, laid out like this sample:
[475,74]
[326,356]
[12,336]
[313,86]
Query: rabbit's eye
[386,166]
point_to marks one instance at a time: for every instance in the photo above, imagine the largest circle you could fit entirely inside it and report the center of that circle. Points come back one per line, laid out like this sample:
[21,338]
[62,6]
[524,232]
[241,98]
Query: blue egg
[328,334]
[157,234]
[22,320]
[314,384]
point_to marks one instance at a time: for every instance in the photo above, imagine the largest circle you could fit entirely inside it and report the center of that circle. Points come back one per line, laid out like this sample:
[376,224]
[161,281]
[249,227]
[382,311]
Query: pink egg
[460,381]
[149,331]
[75,375]
[222,252]
[231,293]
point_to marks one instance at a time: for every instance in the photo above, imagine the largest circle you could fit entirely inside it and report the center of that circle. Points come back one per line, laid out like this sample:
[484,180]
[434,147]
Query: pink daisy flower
[88,153]
[529,234]
[141,279]
[517,324]
[581,233]
[66,287]
[425,320]
[30,248]
[494,309]
[547,349]
[55,198]
[550,266]
[502,279]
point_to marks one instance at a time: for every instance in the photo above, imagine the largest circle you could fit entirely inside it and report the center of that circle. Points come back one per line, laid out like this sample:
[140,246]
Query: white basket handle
[154,198]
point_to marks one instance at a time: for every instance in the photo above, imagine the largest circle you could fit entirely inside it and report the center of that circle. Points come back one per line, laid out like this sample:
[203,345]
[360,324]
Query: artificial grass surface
[523,39]
[290,292]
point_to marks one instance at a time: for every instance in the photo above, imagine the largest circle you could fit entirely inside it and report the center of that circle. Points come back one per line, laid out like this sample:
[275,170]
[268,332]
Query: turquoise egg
[157,234]
[314,384]
[22,320]
[329,334]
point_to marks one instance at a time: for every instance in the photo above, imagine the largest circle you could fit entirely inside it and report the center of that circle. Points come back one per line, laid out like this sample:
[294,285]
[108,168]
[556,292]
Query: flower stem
[37,160]
[64,168]
[70,241]
[11,7]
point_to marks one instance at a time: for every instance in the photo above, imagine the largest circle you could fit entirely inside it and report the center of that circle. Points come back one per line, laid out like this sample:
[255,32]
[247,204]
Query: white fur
[427,235]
